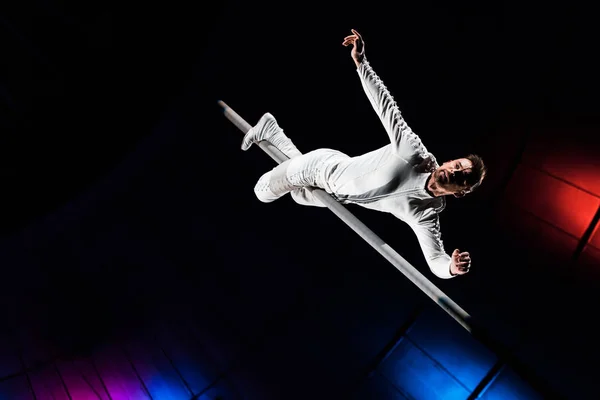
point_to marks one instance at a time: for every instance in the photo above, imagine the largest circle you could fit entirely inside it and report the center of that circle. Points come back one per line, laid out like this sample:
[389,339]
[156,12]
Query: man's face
[454,177]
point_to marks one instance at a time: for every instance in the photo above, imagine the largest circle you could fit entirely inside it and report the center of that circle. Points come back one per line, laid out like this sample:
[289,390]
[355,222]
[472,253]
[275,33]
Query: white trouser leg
[313,169]
[309,169]
[303,197]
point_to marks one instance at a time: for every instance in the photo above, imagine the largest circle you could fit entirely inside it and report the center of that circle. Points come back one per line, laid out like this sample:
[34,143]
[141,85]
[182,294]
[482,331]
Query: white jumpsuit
[390,179]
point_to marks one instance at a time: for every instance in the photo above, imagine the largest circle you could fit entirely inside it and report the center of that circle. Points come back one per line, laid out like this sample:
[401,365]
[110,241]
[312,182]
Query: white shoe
[265,128]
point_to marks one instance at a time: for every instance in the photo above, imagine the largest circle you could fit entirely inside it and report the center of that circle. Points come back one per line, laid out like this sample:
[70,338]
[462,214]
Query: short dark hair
[478,171]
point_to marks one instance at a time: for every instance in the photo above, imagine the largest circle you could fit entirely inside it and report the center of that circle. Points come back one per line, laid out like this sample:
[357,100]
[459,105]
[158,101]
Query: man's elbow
[441,268]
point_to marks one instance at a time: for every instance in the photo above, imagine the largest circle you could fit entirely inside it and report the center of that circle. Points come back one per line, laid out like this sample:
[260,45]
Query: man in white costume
[401,178]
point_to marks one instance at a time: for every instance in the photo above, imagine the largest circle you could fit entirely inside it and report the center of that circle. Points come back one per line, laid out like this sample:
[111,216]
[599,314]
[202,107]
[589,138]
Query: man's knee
[274,184]
[262,190]
[279,182]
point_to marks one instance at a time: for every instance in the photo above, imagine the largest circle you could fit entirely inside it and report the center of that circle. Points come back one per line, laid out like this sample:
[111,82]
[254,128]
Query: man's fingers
[464,269]
[462,260]
[461,256]
[349,42]
[356,33]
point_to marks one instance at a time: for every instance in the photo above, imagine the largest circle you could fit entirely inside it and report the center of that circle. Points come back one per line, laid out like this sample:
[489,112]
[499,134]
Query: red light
[554,201]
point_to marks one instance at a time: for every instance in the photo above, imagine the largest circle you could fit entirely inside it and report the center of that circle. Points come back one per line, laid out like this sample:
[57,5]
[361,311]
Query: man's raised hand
[358,46]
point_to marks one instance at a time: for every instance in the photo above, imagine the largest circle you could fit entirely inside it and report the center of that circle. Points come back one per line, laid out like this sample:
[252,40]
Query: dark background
[127,203]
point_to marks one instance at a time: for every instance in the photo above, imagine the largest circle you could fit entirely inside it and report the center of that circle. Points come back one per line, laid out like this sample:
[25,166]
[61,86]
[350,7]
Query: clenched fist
[461,262]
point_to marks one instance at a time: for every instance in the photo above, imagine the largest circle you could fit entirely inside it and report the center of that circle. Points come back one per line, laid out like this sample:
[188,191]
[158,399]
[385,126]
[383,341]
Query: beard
[441,179]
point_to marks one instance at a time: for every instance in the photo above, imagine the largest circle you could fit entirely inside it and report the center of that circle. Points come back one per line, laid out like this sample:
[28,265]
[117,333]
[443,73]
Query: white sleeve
[405,143]
[429,236]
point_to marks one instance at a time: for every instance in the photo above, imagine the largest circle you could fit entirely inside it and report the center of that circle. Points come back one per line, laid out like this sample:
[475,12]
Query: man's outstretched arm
[441,264]
[404,141]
